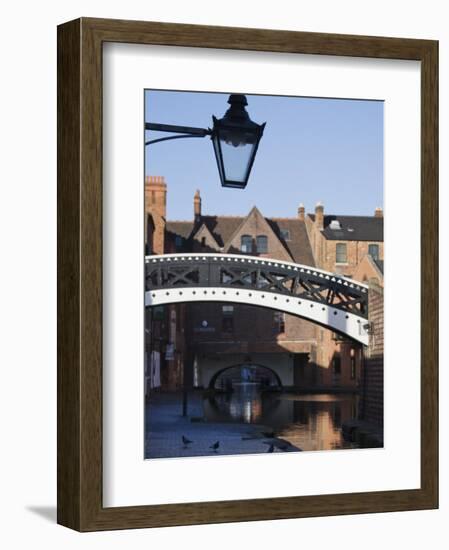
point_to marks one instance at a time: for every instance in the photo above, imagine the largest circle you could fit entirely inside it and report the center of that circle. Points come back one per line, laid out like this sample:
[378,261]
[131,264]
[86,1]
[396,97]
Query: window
[285,234]
[178,242]
[203,242]
[262,244]
[336,364]
[353,367]
[246,243]
[227,319]
[341,256]
[373,251]
[279,322]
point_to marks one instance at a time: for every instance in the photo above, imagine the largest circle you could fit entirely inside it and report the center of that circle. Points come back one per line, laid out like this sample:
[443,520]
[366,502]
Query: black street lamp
[235,138]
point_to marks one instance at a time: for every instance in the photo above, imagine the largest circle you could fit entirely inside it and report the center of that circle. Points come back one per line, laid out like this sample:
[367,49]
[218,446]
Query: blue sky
[313,149]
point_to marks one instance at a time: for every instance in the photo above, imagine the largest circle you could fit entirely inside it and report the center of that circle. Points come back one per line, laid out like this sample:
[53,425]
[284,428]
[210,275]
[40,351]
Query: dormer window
[335,225]
[246,243]
[262,244]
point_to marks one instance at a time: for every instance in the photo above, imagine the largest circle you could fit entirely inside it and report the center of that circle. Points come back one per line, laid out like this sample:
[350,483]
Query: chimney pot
[378,213]
[319,215]
[197,206]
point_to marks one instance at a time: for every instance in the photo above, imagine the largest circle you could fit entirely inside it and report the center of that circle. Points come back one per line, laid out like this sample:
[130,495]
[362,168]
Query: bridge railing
[259,274]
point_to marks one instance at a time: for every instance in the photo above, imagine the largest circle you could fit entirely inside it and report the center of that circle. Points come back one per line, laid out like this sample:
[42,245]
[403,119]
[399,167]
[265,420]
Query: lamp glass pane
[236,160]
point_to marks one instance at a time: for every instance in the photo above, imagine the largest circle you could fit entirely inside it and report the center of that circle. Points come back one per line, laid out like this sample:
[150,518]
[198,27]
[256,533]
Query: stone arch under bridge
[210,378]
[332,301]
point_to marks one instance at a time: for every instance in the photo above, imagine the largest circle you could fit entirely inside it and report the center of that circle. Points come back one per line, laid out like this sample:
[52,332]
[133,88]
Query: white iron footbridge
[330,300]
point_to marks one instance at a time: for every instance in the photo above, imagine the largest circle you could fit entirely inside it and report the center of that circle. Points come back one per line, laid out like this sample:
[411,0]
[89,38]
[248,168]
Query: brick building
[351,246]
[164,335]
[216,336]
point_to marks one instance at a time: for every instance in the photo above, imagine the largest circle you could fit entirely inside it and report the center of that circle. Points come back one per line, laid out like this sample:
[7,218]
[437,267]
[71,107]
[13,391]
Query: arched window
[262,244]
[246,243]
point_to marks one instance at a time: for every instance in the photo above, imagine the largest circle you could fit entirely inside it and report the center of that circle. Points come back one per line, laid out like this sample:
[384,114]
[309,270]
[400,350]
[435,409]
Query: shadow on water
[309,421]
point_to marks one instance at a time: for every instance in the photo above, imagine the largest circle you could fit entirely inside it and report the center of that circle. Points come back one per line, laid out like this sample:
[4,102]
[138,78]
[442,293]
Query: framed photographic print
[247,289]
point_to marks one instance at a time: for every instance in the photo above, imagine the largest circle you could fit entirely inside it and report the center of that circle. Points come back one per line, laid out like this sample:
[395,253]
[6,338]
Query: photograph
[264,273]
[224,194]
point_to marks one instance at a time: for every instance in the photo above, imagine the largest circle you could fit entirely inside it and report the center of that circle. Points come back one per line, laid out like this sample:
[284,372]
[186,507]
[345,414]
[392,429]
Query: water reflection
[309,421]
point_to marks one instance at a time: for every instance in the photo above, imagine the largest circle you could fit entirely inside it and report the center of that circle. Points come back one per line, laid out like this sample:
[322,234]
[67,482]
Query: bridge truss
[330,300]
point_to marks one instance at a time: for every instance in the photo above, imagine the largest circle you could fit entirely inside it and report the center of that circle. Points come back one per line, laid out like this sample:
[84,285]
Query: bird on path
[186,441]
[215,446]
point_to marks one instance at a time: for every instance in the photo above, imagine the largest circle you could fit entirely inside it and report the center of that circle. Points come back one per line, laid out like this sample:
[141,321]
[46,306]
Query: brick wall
[371,406]
[155,204]
[252,327]
[367,272]
[325,255]
[257,225]
[356,251]
[328,348]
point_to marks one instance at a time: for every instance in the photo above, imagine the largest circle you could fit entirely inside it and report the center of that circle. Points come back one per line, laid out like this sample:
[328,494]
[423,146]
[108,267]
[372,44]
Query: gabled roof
[353,228]
[181,228]
[368,269]
[205,230]
[223,227]
[264,227]
[380,265]
[298,245]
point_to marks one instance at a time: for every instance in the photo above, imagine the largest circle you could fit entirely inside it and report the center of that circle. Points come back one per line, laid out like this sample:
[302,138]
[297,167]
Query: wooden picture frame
[80,351]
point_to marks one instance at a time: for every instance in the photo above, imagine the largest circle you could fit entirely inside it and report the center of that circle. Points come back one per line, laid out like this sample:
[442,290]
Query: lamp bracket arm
[200,132]
[174,137]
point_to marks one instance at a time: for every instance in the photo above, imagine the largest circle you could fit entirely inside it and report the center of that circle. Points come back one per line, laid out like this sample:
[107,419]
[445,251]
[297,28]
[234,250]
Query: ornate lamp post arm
[187,131]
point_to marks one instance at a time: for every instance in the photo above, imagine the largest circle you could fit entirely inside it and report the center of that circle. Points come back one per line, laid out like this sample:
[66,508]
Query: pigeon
[215,446]
[185,440]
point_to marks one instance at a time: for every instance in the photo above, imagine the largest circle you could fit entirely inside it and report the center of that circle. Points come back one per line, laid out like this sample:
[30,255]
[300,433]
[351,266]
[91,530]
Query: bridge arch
[221,370]
[327,299]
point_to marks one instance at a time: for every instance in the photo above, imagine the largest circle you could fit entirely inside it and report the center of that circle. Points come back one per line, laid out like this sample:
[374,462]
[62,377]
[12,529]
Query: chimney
[155,205]
[197,206]
[378,213]
[301,212]
[319,215]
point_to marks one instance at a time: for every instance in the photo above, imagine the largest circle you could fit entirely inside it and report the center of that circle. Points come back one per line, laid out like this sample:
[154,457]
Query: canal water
[309,421]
